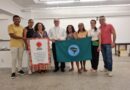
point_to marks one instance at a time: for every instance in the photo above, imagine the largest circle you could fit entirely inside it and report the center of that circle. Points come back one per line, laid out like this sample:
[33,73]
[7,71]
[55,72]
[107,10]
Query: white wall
[118,15]
[120,23]
[4,29]
[10,7]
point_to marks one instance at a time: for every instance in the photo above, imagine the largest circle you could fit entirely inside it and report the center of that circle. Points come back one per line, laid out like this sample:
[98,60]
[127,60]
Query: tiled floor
[71,80]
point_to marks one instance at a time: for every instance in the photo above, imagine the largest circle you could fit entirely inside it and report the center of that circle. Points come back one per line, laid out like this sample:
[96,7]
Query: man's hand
[113,45]
[53,40]
[58,39]
[24,39]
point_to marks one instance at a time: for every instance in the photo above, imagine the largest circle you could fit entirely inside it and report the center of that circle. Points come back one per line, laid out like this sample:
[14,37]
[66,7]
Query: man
[28,33]
[107,43]
[57,33]
[15,31]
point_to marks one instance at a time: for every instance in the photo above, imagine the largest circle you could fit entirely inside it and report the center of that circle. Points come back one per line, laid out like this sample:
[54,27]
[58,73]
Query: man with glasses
[55,34]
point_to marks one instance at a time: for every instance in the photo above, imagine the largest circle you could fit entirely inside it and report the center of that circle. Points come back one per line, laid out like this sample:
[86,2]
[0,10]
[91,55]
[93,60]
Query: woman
[71,34]
[94,33]
[40,33]
[28,34]
[82,33]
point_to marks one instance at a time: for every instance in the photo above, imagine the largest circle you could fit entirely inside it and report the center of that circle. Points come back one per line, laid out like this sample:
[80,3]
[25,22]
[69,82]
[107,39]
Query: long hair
[95,28]
[36,26]
[83,27]
[67,29]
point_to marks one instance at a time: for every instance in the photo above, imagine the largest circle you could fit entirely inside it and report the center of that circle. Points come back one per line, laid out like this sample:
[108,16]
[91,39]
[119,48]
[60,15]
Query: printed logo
[73,50]
[39,45]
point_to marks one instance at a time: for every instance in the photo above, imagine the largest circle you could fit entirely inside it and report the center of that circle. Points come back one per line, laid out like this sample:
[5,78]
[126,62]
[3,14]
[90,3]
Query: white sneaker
[109,73]
[29,72]
[104,70]
[92,70]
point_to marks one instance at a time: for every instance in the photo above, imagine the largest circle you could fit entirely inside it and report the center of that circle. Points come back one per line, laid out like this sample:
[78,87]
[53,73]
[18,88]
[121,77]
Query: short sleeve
[63,37]
[111,28]
[99,31]
[89,33]
[50,34]
[46,35]
[86,33]
[10,29]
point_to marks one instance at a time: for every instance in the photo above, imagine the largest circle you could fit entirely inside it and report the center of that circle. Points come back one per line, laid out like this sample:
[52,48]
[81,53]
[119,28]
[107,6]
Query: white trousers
[28,61]
[17,56]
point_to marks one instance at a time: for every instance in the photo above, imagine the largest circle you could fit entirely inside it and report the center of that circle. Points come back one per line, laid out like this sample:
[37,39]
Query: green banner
[74,50]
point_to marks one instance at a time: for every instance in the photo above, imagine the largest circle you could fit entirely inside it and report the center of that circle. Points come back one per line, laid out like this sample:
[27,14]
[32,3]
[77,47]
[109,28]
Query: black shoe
[44,71]
[62,70]
[55,70]
[40,71]
[13,75]
[21,72]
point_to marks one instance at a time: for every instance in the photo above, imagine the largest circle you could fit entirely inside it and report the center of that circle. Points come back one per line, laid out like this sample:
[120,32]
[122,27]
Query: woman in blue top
[71,34]
[40,33]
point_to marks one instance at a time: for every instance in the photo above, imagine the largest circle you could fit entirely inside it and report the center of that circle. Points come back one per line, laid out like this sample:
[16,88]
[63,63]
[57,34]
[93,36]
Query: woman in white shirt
[94,33]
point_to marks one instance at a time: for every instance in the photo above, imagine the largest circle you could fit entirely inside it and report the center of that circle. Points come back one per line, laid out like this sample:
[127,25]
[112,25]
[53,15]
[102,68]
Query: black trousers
[56,63]
[95,57]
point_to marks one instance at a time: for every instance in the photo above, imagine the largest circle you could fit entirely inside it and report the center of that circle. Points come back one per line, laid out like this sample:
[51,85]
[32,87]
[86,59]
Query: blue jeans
[107,56]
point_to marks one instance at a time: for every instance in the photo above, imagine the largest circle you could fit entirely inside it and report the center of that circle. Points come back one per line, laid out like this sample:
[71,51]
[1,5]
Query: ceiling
[73,10]
[4,12]
[31,4]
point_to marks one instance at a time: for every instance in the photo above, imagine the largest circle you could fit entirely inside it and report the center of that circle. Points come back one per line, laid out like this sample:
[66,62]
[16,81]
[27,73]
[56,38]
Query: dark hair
[36,26]
[101,16]
[30,20]
[83,27]
[67,30]
[16,16]
[95,28]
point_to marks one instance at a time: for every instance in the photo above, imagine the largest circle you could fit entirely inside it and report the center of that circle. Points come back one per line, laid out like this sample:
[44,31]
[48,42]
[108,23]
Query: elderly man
[57,33]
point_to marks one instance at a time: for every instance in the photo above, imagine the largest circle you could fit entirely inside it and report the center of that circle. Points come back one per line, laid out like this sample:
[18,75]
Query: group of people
[101,40]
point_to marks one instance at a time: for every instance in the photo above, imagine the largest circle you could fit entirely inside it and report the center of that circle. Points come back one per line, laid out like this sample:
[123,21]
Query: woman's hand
[99,48]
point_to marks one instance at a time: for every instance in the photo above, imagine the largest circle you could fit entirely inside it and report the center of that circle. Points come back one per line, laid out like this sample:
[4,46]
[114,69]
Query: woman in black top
[28,33]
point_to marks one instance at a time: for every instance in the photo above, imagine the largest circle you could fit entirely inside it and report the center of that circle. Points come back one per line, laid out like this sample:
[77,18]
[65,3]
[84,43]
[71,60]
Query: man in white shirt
[55,34]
